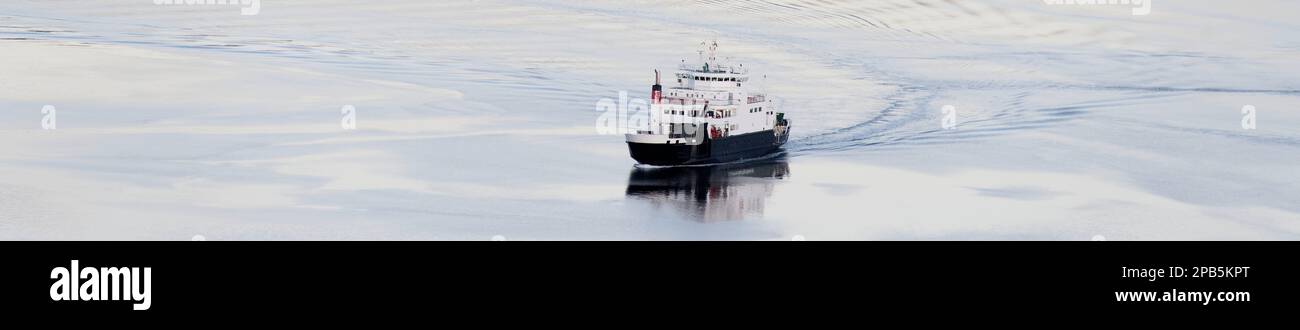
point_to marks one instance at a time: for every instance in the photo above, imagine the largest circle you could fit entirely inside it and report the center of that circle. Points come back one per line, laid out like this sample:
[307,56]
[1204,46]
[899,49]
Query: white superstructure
[709,91]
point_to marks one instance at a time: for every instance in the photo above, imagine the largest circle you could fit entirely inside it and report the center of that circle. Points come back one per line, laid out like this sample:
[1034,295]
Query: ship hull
[720,150]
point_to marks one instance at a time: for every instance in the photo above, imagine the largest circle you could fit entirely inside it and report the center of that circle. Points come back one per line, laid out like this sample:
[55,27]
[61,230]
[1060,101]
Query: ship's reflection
[709,193]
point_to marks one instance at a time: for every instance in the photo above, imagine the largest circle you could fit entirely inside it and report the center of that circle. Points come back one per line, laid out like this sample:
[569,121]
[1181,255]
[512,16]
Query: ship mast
[713,51]
[701,53]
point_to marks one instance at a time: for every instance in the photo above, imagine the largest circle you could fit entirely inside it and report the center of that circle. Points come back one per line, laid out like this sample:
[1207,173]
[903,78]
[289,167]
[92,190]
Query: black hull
[721,150]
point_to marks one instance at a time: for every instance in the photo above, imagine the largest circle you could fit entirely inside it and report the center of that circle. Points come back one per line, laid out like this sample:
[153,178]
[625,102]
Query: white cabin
[713,92]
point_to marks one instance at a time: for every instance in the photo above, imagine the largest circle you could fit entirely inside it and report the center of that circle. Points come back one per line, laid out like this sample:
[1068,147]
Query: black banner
[631,278]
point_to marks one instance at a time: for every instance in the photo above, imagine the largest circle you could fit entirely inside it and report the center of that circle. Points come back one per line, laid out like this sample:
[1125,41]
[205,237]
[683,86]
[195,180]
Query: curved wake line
[904,123]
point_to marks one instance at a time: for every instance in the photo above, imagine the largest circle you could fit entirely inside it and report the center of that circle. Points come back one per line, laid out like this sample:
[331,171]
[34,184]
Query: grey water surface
[477,119]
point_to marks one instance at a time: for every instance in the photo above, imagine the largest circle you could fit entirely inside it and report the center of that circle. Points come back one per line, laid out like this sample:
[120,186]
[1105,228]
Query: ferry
[709,116]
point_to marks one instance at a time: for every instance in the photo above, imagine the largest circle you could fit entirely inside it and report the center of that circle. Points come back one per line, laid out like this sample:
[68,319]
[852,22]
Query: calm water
[476,119]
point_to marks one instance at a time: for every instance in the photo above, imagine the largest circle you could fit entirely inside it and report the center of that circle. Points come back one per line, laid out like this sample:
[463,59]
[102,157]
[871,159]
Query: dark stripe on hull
[732,148]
